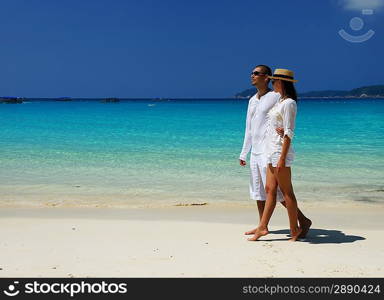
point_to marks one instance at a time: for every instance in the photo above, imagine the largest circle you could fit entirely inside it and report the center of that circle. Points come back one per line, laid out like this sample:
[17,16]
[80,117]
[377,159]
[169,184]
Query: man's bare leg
[260,207]
[271,190]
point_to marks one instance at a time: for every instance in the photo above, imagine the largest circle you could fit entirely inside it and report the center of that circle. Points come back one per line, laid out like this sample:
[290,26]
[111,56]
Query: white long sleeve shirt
[256,123]
[283,115]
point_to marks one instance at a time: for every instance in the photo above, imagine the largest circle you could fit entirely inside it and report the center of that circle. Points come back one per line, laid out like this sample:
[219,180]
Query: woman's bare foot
[253,231]
[250,232]
[295,234]
[305,228]
[258,233]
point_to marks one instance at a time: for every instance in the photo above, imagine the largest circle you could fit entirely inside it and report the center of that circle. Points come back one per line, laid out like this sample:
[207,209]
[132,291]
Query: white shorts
[274,159]
[258,166]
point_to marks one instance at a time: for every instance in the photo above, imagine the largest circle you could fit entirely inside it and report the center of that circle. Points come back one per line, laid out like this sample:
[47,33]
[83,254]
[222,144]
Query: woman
[280,153]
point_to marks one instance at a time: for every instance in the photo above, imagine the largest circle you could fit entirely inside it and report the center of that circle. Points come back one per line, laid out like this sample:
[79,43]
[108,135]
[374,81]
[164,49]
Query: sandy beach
[188,241]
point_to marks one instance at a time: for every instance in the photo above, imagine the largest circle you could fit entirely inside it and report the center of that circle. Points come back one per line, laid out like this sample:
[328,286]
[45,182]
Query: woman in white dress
[280,153]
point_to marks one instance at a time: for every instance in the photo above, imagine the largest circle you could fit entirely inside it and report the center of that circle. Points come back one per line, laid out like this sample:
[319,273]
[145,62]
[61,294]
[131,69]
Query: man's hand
[242,162]
[280,131]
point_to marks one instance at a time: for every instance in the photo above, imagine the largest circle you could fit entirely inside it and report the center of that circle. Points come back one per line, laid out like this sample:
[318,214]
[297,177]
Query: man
[255,131]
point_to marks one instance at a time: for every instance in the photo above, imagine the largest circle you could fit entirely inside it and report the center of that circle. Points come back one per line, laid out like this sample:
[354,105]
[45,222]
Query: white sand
[204,241]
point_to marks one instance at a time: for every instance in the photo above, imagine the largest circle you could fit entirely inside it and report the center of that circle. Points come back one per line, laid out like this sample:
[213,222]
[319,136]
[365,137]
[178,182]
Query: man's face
[260,79]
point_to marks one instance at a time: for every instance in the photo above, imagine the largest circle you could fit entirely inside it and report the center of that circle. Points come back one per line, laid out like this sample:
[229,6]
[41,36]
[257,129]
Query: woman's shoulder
[289,102]
[288,105]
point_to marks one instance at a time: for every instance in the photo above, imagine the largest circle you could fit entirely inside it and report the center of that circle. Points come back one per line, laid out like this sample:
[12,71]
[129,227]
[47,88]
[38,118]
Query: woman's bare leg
[304,222]
[285,184]
[270,203]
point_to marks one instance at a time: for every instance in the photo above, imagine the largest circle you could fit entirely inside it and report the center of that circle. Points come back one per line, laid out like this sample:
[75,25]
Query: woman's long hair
[289,90]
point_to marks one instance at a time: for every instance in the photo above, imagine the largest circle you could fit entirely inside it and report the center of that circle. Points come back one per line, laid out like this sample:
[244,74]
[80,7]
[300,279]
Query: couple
[269,130]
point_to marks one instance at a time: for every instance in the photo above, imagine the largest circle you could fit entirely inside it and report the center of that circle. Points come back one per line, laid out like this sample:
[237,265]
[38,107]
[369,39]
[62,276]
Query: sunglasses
[256,73]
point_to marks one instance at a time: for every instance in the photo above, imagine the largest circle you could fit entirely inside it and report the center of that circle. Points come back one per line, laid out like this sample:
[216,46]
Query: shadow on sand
[320,236]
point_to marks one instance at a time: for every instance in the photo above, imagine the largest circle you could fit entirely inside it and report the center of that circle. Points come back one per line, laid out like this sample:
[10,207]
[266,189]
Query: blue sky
[167,48]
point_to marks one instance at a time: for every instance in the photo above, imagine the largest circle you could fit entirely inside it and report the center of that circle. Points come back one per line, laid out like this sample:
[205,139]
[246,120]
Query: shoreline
[340,215]
[92,202]
[187,241]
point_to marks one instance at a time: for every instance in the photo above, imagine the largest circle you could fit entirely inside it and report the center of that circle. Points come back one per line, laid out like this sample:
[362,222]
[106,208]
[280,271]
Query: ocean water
[180,151]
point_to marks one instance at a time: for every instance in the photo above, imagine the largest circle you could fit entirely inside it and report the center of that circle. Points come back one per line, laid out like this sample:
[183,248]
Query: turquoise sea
[147,152]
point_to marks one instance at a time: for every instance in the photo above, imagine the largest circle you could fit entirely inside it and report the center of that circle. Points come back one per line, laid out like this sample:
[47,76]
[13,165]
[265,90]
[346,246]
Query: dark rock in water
[11,100]
[372,91]
[109,100]
[64,99]
[161,99]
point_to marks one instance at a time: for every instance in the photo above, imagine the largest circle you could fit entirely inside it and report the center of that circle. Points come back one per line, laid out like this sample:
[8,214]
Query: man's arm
[247,144]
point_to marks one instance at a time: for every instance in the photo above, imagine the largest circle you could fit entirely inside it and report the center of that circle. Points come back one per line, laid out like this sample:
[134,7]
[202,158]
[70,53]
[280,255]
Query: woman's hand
[242,162]
[280,165]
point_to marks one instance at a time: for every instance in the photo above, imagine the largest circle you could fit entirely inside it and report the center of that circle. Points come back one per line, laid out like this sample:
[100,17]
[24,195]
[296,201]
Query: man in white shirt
[255,133]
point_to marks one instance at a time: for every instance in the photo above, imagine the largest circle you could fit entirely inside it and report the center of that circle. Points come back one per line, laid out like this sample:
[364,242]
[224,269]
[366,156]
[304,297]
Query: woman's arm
[286,145]
[284,152]
[289,118]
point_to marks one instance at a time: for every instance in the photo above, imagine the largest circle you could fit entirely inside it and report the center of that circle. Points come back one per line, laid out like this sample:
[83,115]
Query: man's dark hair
[267,70]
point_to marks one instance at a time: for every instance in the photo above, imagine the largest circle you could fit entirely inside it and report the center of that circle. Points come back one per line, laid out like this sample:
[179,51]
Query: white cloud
[361,4]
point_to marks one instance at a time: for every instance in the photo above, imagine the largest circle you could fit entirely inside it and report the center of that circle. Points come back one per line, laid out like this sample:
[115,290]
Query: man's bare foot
[295,234]
[253,231]
[258,233]
[305,228]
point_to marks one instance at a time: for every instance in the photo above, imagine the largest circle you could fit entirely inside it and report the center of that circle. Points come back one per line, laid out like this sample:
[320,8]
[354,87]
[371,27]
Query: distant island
[372,91]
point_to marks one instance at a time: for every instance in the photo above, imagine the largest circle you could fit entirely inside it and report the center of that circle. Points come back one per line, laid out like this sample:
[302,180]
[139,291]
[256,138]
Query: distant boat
[64,99]
[11,100]
[160,99]
[108,100]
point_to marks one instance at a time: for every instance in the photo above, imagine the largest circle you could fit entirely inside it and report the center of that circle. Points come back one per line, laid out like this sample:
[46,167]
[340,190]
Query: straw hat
[283,74]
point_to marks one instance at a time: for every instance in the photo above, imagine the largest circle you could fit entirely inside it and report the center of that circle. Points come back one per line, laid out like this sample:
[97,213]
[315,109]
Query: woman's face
[277,86]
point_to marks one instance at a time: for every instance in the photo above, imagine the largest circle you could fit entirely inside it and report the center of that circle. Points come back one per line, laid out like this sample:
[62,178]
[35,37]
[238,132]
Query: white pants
[258,166]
